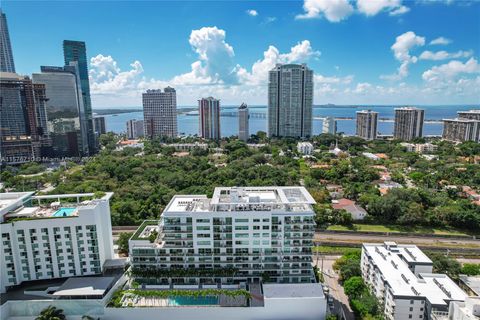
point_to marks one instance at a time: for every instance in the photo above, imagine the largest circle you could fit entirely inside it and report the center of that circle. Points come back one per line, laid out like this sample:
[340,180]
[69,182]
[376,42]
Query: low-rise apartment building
[401,277]
[305,148]
[420,147]
[240,234]
[53,236]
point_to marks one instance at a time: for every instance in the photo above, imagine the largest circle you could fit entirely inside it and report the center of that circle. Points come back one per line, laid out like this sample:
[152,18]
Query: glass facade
[75,51]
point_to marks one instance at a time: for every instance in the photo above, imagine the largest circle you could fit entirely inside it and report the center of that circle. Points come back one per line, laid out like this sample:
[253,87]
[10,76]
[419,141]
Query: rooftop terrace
[24,205]
[245,199]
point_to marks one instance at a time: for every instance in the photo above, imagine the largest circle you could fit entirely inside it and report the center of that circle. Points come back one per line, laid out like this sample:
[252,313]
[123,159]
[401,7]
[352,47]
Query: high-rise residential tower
[21,128]
[460,130]
[64,110]
[408,123]
[99,125]
[76,51]
[6,55]
[329,125]
[240,234]
[471,114]
[42,240]
[160,113]
[243,131]
[367,121]
[209,118]
[135,129]
[290,100]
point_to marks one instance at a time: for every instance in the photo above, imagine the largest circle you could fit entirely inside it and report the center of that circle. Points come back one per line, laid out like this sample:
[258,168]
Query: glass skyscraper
[64,110]
[6,56]
[76,51]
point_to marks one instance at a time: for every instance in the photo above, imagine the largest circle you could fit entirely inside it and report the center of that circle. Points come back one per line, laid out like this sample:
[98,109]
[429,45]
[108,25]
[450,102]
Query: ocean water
[188,124]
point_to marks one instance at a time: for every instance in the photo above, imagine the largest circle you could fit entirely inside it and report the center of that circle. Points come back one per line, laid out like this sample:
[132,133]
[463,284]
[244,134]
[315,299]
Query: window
[266,227]
[256,220]
[256,227]
[241,227]
[241,235]
[411,301]
[409,316]
[266,220]
[203,220]
[203,227]
[241,220]
[411,308]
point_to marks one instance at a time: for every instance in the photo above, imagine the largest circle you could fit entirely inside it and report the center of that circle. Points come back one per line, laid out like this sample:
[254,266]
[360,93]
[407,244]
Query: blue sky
[362,51]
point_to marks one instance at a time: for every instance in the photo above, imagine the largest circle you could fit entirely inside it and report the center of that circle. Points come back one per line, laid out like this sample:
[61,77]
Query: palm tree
[51,313]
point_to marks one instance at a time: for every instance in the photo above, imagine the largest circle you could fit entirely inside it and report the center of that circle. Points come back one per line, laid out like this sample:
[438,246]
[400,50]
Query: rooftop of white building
[391,260]
[18,205]
[293,290]
[244,199]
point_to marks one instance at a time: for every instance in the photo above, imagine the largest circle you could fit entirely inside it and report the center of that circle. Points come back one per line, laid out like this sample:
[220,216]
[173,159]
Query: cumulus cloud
[299,53]
[451,70]
[401,50]
[440,41]
[444,55]
[215,62]
[107,78]
[332,10]
[252,12]
[372,8]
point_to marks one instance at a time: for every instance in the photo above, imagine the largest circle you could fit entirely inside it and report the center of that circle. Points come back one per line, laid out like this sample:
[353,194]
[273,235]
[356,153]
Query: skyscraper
[6,55]
[367,121]
[243,131]
[329,125]
[135,129]
[471,114]
[64,109]
[209,118]
[290,100]
[160,113]
[19,140]
[76,51]
[408,123]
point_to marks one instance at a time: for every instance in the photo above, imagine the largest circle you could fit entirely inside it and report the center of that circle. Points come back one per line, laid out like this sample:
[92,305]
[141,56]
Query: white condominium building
[135,129]
[401,277]
[329,125]
[420,147]
[240,234]
[53,236]
[160,113]
[305,148]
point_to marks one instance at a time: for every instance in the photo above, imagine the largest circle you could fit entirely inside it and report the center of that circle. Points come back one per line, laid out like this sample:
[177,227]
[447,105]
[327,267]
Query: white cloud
[299,53]
[400,10]
[332,10]
[320,79]
[401,50]
[443,55]
[440,41]
[362,87]
[252,12]
[373,7]
[451,70]
[107,78]
[215,64]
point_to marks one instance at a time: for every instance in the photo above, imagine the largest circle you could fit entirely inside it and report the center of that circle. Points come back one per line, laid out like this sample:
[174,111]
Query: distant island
[104,112]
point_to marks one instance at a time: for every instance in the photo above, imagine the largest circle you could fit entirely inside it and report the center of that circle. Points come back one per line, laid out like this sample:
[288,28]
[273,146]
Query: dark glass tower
[76,51]
[6,56]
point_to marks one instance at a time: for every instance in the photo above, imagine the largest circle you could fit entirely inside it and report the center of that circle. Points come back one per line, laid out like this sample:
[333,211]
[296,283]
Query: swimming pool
[192,301]
[64,212]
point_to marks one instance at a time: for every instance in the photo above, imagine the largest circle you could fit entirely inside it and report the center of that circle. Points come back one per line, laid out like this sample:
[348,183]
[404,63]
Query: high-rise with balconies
[243,132]
[367,124]
[290,101]
[240,234]
[209,118]
[408,123]
[160,113]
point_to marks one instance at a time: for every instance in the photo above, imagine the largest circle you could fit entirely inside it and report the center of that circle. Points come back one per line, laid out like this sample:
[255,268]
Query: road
[330,276]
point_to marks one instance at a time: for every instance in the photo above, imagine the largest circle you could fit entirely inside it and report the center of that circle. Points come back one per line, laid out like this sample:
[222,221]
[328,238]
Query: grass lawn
[393,228]
[334,250]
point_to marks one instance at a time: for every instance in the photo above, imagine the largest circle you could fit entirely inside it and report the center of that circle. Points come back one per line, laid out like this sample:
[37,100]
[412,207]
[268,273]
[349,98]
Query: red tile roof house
[357,212]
